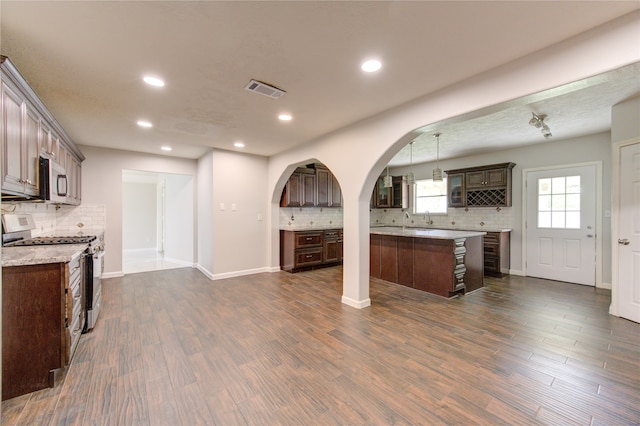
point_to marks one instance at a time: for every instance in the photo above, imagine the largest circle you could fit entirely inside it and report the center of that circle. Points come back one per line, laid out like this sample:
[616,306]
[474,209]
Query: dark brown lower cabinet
[304,250]
[497,253]
[405,261]
[445,267]
[33,327]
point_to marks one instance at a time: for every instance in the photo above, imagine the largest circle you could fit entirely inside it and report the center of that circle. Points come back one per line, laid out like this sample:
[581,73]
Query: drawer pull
[309,256]
[309,238]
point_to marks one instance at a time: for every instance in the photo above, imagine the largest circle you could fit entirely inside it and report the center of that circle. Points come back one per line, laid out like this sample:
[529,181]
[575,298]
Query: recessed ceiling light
[238,145]
[371,65]
[285,117]
[153,81]
[143,123]
[166,148]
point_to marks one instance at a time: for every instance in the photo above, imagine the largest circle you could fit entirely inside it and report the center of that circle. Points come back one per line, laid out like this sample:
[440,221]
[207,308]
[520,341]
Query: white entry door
[560,223]
[629,234]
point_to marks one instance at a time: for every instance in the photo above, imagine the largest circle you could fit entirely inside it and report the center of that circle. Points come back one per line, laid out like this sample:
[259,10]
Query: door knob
[623,242]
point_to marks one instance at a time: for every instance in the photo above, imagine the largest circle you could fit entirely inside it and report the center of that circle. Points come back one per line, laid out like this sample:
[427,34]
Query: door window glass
[559,202]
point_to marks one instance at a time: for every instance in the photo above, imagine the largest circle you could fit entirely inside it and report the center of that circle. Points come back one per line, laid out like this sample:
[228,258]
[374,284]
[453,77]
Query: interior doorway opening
[157,221]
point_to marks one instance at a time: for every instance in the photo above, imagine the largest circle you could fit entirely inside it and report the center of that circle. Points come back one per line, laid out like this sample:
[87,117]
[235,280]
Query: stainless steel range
[17,233]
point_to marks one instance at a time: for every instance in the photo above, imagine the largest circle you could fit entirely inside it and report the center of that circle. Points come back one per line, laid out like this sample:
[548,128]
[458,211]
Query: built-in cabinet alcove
[311,219]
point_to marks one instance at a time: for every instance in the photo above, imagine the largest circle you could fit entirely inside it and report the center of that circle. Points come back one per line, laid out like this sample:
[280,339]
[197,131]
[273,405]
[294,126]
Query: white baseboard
[359,304]
[518,272]
[233,274]
[606,286]
[204,271]
[106,275]
[273,268]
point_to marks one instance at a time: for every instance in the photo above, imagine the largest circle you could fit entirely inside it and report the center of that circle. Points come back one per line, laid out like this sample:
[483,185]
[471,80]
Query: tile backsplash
[49,217]
[477,218]
[292,218]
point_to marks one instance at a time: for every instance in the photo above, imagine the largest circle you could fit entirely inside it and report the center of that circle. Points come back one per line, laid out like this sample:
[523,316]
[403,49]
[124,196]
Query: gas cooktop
[45,241]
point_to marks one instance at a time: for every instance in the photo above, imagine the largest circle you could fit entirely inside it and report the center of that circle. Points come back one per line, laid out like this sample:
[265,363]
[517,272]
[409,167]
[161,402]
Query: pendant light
[388,181]
[437,172]
[410,178]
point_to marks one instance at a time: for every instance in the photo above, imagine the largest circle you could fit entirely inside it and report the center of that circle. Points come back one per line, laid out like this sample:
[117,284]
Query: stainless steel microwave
[53,181]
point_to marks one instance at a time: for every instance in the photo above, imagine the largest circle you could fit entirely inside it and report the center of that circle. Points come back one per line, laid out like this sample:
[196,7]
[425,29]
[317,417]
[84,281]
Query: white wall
[179,217]
[102,184]
[625,120]
[205,214]
[357,154]
[139,216]
[233,208]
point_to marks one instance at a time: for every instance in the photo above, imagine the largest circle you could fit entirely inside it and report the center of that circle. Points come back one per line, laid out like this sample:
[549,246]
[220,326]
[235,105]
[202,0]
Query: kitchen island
[438,261]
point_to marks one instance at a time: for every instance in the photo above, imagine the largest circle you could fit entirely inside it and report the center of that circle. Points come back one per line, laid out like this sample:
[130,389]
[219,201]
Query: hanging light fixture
[388,180]
[410,178]
[537,121]
[437,172]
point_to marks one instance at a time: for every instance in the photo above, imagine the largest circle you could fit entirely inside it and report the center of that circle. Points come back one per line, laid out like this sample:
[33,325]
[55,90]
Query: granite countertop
[309,228]
[440,234]
[35,255]
[466,228]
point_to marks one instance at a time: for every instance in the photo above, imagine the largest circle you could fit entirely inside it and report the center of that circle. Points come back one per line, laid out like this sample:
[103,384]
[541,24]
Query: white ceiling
[86,61]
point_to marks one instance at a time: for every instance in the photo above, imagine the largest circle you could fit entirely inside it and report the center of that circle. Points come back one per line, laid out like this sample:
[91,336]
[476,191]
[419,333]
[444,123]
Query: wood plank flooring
[174,348]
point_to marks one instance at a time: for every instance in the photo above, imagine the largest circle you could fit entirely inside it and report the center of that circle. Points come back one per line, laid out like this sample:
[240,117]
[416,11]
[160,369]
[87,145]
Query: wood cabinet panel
[301,250]
[12,156]
[497,256]
[389,258]
[308,185]
[374,255]
[482,186]
[405,261]
[33,331]
[336,193]
[433,265]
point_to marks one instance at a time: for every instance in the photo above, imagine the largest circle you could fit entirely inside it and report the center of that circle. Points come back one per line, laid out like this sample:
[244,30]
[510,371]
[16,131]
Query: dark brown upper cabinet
[481,186]
[312,186]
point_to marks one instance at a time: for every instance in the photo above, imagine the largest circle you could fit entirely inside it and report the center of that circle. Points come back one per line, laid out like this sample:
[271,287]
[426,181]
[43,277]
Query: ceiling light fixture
[285,117]
[371,65]
[143,123]
[166,148]
[238,144]
[537,121]
[153,81]
[437,172]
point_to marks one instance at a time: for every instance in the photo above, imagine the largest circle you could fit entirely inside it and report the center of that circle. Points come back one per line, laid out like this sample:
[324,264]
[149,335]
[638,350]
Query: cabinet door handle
[624,242]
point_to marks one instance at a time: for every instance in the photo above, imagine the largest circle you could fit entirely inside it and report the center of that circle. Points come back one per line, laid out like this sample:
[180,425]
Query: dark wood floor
[173,348]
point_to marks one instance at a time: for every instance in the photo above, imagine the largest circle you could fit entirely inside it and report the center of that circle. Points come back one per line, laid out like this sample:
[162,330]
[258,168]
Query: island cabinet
[442,266]
[42,318]
[304,250]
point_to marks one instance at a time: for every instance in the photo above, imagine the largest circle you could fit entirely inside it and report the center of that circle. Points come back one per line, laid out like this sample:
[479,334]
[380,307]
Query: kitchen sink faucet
[427,215]
[406,217]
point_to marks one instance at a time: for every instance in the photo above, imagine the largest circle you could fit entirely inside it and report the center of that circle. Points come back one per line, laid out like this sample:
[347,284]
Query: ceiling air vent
[264,89]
